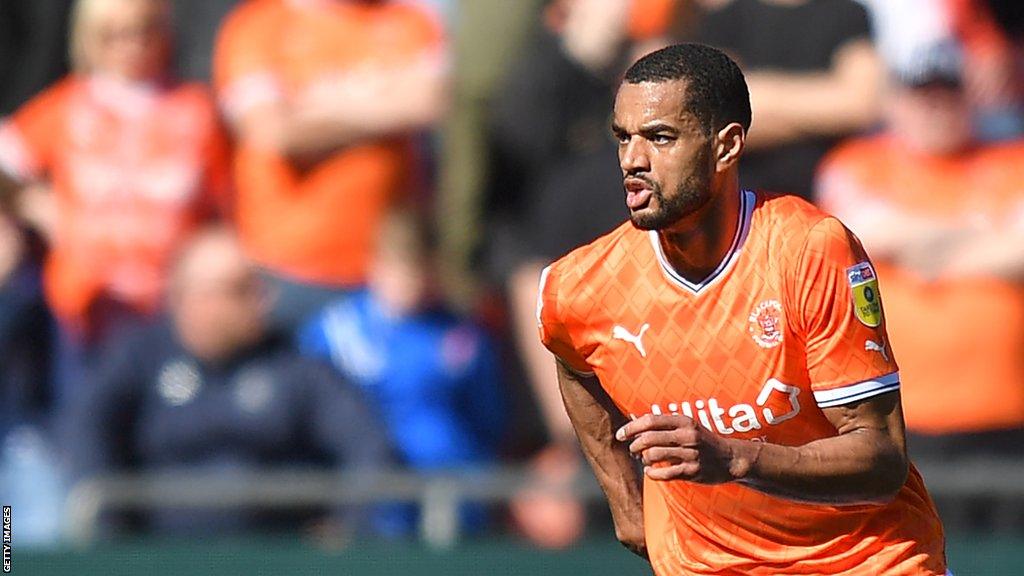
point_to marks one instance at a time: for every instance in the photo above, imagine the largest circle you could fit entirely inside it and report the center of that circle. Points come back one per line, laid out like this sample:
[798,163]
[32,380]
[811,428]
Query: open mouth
[638,193]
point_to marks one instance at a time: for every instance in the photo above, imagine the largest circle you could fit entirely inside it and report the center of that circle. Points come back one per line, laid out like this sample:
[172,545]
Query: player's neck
[696,246]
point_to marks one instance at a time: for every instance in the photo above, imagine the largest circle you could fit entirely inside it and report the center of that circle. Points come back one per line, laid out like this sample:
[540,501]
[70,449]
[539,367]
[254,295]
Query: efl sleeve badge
[867,304]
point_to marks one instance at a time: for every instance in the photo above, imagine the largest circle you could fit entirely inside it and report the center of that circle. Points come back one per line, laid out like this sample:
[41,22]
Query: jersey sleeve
[840,316]
[29,137]
[553,333]
[243,61]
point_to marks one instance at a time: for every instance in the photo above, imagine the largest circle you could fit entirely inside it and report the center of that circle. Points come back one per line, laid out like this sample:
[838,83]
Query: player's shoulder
[596,261]
[794,223]
[786,212]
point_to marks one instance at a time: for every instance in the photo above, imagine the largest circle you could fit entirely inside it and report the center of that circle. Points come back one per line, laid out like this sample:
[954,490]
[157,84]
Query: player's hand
[674,447]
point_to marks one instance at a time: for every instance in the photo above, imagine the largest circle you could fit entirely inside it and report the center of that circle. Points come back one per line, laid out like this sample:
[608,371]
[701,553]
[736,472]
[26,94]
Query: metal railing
[439,495]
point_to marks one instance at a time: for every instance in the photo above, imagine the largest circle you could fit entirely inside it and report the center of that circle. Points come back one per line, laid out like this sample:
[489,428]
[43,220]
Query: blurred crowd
[242,235]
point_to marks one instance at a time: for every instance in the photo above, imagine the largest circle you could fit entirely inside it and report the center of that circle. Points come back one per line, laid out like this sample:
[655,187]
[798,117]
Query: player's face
[665,156]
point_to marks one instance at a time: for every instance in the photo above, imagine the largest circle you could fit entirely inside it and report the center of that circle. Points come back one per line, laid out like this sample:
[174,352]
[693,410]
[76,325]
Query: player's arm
[596,419]
[865,463]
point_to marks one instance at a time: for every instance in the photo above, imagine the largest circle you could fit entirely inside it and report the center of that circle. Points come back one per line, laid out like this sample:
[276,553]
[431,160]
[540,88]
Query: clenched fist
[674,447]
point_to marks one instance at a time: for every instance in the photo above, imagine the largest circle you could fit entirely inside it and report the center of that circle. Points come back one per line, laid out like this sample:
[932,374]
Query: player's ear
[729,143]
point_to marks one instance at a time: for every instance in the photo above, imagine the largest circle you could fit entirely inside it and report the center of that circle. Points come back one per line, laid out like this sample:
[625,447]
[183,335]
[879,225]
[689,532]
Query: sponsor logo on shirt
[867,304]
[776,403]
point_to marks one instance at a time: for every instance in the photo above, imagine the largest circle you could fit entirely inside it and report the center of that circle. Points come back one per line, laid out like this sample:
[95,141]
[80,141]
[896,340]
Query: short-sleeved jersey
[133,168]
[790,323]
[317,224]
[952,328]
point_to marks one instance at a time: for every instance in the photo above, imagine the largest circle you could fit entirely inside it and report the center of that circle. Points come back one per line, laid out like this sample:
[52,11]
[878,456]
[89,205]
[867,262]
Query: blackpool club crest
[867,304]
[765,324]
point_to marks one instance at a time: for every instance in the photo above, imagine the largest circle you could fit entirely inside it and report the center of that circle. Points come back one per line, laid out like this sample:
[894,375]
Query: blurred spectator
[24,331]
[901,29]
[196,23]
[29,479]
[113,165]
[993,81]
[943,218]
[994,72]
[33,48]
[488,39]
[553,155]
[813,77]
[213,392]
[431,375]
[322,95]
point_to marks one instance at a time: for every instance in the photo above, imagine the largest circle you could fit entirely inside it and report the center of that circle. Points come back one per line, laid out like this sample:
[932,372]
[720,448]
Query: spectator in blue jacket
[212,392]
[431,375]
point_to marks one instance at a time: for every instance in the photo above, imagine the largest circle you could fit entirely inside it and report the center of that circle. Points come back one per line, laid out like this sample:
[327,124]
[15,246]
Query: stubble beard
[690,196]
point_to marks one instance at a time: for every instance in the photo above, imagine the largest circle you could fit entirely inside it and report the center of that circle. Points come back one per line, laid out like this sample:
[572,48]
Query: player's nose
[633,157]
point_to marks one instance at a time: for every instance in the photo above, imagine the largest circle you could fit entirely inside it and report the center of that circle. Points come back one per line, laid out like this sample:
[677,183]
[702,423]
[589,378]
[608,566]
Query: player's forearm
[863,466]
[596,419]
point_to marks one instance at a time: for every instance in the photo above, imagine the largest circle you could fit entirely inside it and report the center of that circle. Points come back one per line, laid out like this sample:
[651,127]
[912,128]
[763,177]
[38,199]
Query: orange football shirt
[134,168]
[316,225]
[955,329]
[789,323]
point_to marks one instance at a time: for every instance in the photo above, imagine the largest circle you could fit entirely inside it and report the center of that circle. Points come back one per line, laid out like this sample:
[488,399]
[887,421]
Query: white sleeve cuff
[248,92]
[16,160]
[859,391]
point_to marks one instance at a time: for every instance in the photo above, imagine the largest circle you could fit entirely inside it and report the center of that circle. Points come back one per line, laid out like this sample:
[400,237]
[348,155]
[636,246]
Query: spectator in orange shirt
[114,165]
[943,218]
[322,95]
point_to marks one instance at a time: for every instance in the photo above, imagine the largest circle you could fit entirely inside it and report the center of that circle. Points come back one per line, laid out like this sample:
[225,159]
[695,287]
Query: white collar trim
[747,202]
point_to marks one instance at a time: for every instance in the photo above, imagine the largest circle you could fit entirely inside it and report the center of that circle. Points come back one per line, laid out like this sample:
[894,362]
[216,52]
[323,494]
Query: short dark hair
[716,92]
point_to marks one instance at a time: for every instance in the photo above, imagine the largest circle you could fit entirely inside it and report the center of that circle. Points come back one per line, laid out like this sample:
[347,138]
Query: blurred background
[268,268]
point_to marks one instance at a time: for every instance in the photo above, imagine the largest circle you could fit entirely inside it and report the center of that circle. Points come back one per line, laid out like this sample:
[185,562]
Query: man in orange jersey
[322,95]
[734,342]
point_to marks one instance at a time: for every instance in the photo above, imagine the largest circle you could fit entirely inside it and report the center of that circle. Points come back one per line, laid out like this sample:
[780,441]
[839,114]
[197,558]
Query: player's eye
[622,137]
[661,138]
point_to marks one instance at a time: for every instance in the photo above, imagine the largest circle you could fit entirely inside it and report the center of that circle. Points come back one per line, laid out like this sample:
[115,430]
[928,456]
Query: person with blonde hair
[113,165]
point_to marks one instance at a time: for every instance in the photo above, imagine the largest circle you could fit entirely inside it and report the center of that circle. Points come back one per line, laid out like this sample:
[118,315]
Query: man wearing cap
[942,216]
